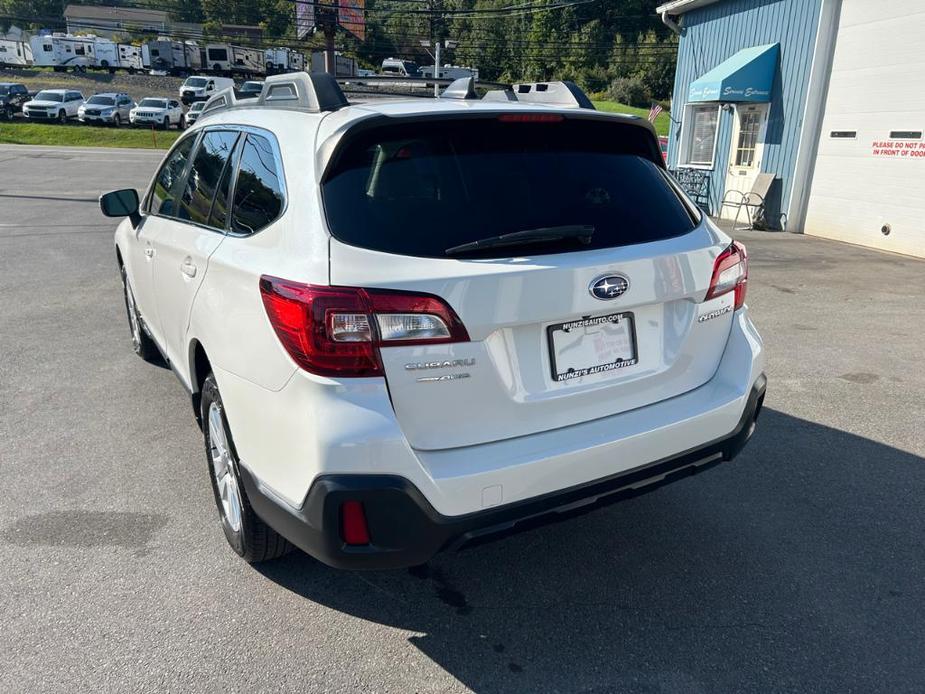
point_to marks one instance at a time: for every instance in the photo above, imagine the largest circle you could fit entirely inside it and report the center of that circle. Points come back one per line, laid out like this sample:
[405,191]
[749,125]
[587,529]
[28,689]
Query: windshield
[49,96]
[434,186]
[101,101]
[252,87]
[153,103]
[4,90]
[195,82]
[198,106]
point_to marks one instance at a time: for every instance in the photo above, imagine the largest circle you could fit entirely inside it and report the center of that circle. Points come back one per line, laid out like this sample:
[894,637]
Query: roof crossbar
[298,91]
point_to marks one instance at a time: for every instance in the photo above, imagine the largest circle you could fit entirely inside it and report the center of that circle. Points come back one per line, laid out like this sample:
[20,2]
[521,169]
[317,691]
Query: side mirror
[121,203]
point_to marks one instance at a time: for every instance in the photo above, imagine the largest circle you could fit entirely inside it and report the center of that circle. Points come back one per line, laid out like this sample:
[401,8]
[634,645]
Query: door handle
[188,269]
[149,252]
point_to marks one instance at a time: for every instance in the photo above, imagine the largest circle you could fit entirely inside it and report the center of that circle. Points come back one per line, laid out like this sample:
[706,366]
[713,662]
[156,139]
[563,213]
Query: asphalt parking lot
[798,567]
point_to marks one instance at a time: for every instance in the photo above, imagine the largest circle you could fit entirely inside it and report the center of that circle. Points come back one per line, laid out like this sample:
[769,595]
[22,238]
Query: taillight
[337,331]
[730,273]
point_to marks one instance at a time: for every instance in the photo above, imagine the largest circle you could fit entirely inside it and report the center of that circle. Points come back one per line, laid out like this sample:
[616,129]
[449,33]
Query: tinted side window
[258,193]
[209,163]
[167,182]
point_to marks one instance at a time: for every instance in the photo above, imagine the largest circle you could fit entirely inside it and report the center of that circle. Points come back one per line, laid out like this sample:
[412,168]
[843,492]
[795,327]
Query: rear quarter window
[431,186]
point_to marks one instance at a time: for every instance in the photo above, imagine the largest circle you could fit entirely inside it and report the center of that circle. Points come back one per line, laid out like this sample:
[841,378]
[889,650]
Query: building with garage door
[819,105]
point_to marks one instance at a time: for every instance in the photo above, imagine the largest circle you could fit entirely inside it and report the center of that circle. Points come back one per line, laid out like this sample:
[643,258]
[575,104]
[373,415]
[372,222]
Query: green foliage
[593,44]
[629,90]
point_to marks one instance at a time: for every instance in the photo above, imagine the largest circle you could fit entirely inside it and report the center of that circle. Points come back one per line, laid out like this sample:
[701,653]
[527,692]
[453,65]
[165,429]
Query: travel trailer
[15,53]
[279,60]
[345,67]
[130,57]
[225,58]
[63,52]
[170,56]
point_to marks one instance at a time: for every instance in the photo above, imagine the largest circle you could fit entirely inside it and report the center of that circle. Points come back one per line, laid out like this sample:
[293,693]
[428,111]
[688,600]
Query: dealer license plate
[592,345]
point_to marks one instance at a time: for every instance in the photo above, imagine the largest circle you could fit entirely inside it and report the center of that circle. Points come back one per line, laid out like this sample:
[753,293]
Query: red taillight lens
[353,528]
[337,331]
[730,273]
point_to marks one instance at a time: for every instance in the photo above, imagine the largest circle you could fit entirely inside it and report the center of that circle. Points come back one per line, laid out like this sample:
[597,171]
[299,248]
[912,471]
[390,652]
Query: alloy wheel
[226,479]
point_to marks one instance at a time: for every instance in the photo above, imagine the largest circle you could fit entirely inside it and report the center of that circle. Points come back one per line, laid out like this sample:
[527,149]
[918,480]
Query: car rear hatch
[560,330]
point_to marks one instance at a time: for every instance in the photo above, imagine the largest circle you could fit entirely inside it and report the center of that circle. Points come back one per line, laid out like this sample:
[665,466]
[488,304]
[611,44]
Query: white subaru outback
[407,324]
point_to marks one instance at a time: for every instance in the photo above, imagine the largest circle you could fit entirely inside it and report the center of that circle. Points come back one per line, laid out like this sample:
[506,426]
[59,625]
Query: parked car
[250,89]
[663,145]
[159,112]
[200,87]
[12,98]
[106,109]
[194,112]
[53,104]
[570,329]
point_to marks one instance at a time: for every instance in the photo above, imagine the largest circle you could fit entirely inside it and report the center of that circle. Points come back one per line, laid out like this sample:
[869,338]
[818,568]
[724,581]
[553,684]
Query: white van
[201,87]
[395,67]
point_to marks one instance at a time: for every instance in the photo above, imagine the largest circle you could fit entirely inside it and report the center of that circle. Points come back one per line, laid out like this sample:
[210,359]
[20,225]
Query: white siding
[877,86]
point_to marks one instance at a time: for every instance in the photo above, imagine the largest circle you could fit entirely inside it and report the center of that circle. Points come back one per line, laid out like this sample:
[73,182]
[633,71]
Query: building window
[749,126]
[699,135]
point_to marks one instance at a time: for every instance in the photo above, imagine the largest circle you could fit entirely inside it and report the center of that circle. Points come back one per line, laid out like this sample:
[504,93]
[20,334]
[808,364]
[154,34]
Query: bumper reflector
[353,528]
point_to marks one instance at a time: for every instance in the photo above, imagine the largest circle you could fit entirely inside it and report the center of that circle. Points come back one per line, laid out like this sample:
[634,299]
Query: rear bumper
[406,530]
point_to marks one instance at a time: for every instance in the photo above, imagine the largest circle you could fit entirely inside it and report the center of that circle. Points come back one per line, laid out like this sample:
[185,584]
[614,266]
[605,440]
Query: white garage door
[869,183]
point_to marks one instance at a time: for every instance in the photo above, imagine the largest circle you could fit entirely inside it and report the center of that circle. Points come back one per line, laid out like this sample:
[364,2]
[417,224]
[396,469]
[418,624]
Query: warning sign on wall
[912,149]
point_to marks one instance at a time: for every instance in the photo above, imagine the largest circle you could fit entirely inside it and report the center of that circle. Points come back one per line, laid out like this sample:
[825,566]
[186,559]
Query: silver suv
[106,109]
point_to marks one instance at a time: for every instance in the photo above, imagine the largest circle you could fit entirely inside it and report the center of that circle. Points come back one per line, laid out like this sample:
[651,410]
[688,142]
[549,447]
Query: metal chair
[696,183]
[753,199]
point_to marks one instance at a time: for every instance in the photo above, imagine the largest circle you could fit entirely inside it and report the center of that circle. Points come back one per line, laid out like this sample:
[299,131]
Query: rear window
[420,188]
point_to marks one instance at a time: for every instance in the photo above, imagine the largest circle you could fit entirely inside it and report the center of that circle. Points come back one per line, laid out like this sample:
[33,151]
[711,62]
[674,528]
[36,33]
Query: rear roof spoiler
[561,94]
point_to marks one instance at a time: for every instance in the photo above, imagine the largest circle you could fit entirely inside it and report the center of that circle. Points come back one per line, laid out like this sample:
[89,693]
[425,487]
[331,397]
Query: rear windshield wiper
[582,232]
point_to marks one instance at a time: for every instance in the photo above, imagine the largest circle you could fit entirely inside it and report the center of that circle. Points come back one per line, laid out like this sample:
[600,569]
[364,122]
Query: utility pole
[326,19]
[436,37]
[437,67]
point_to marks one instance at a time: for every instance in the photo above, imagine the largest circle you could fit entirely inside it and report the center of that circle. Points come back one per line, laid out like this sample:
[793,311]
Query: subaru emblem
[609,287]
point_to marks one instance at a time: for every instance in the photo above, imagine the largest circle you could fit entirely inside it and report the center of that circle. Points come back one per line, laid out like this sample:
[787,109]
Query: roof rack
[562,94]
[294,91]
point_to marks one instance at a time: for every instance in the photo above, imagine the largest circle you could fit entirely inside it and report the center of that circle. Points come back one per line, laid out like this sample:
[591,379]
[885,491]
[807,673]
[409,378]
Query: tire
[181,124]
[166,124]
[62,117]
[116,121]
[246,533]
[8,113]
[142,344]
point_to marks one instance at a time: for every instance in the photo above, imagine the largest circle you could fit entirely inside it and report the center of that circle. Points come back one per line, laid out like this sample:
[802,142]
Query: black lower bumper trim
[406,530]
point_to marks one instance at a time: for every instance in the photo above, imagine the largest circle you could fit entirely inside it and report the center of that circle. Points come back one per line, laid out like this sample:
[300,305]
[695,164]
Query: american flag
[654,111]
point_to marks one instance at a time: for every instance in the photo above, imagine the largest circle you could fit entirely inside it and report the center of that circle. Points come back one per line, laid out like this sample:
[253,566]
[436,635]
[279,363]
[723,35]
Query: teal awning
[746,76]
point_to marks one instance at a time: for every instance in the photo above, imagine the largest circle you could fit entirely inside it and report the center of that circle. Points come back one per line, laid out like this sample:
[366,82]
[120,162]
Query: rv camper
[63,52]
[225,59]
[345,67]
[173,57]
[130,57]
[15,53]
[283,60]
